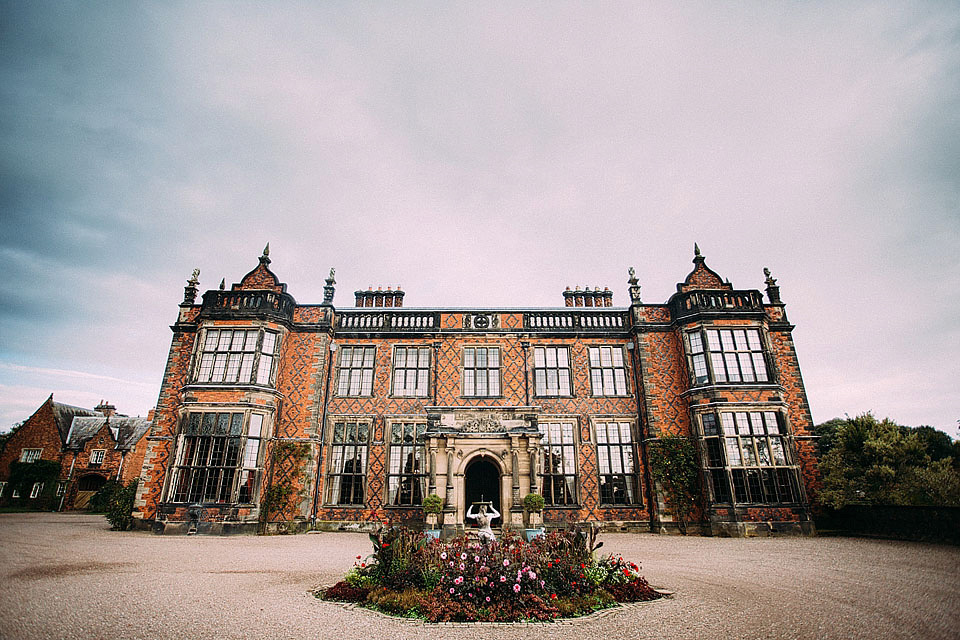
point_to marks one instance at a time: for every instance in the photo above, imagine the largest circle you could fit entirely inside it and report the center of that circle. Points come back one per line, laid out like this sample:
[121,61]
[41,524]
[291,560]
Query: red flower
[553,596]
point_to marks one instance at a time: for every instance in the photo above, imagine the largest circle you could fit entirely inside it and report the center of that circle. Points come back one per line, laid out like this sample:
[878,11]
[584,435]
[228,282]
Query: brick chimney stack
[587,298]
[106,409]
[380,298]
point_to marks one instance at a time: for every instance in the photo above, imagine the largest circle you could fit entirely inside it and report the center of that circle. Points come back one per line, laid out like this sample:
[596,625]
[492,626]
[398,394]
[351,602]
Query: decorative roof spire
[265,258]
[190,291]
[223,284]
[773,291]
[328,288]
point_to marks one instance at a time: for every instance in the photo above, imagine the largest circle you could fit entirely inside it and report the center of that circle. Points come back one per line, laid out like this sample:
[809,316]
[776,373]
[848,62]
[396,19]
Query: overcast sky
[481,154]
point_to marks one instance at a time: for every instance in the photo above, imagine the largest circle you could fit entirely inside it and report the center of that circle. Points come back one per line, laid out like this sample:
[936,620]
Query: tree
[880,462]
[675,467]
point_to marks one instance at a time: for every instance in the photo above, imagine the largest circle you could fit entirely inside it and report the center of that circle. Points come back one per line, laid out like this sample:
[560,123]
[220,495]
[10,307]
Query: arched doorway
[87,486]
[481,483]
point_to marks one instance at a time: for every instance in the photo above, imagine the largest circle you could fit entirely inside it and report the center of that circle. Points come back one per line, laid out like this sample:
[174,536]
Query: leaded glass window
[559,473]
[348,462]
[616,458]
[551,371]
[407,478]
[608,375]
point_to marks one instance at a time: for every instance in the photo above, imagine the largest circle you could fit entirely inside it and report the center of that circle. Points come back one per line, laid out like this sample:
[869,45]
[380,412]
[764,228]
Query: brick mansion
[275,414]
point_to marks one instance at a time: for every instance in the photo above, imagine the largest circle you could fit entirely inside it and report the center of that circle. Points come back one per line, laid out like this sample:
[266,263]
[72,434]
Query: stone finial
[773,291]
[190,291]
[223,284]
[696,250]
[265,258]
[328,288]
[266,249]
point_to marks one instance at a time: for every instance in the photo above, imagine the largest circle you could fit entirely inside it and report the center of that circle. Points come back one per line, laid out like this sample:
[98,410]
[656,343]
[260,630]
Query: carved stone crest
[482,425]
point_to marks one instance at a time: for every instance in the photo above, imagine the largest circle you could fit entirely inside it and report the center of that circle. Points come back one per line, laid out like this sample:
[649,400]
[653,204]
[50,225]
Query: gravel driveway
[68,576]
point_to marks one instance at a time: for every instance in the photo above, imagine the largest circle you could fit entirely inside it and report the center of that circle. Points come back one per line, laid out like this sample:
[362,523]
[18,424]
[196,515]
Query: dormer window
[237,356]
[726,356]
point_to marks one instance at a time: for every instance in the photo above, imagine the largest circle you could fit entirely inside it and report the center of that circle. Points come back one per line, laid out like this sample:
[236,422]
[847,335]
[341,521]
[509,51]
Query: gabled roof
[125,431]
[63,415]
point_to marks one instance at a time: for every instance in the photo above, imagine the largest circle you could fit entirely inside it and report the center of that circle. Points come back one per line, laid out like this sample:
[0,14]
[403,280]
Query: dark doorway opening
[91,482]
[481,483]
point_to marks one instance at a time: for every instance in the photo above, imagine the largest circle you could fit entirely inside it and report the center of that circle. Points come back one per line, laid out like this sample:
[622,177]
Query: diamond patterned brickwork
[160,438]
[798,409]
[665,379]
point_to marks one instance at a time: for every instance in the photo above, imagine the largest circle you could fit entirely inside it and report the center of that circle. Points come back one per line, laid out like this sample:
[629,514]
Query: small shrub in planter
[532,506]
[432,506]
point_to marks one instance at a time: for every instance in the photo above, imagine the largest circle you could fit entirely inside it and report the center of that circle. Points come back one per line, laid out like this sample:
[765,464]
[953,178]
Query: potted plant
[532,506]
[432,507]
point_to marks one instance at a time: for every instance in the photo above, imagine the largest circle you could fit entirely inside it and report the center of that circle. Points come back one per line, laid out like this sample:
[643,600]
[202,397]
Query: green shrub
[120,506]
[432,504]
[533,503]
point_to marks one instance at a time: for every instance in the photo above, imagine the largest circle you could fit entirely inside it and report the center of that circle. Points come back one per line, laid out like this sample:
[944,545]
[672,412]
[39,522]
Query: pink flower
[451,563]
[531,575]
[488,598]
[503,578]
[452,589]
[463,556]
[516,588]
[443,556]
[462,566]
[476,558]
[506,563]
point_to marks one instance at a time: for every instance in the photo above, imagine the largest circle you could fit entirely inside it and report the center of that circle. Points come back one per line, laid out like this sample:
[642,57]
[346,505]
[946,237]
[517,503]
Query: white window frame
[602,384]
[97,456]
[36,490]
[30,455]
[727,354]
[403,371]
[233,363]
[472,370]
[61,488]
[555,360]
[3,485]
[355,378]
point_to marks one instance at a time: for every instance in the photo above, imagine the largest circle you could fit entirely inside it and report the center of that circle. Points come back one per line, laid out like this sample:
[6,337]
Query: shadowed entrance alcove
[481,482]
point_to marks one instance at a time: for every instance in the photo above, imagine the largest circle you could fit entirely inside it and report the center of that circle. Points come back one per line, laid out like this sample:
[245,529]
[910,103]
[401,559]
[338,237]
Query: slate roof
[63,415]
[126,431]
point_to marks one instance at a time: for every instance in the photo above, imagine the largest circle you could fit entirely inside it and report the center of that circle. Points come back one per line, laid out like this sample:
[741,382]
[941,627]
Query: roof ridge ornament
[190,291]
[328,288]
[265,258]
[634,287]
[773,291]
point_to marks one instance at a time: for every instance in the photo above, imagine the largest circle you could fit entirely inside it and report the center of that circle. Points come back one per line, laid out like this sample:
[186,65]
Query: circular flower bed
[556,575]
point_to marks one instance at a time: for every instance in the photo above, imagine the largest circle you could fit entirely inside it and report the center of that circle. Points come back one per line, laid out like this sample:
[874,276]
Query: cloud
[486,155]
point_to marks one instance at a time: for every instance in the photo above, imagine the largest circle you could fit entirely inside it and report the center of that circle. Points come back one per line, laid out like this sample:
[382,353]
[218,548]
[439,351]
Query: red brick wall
[160,438]
[38,432]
